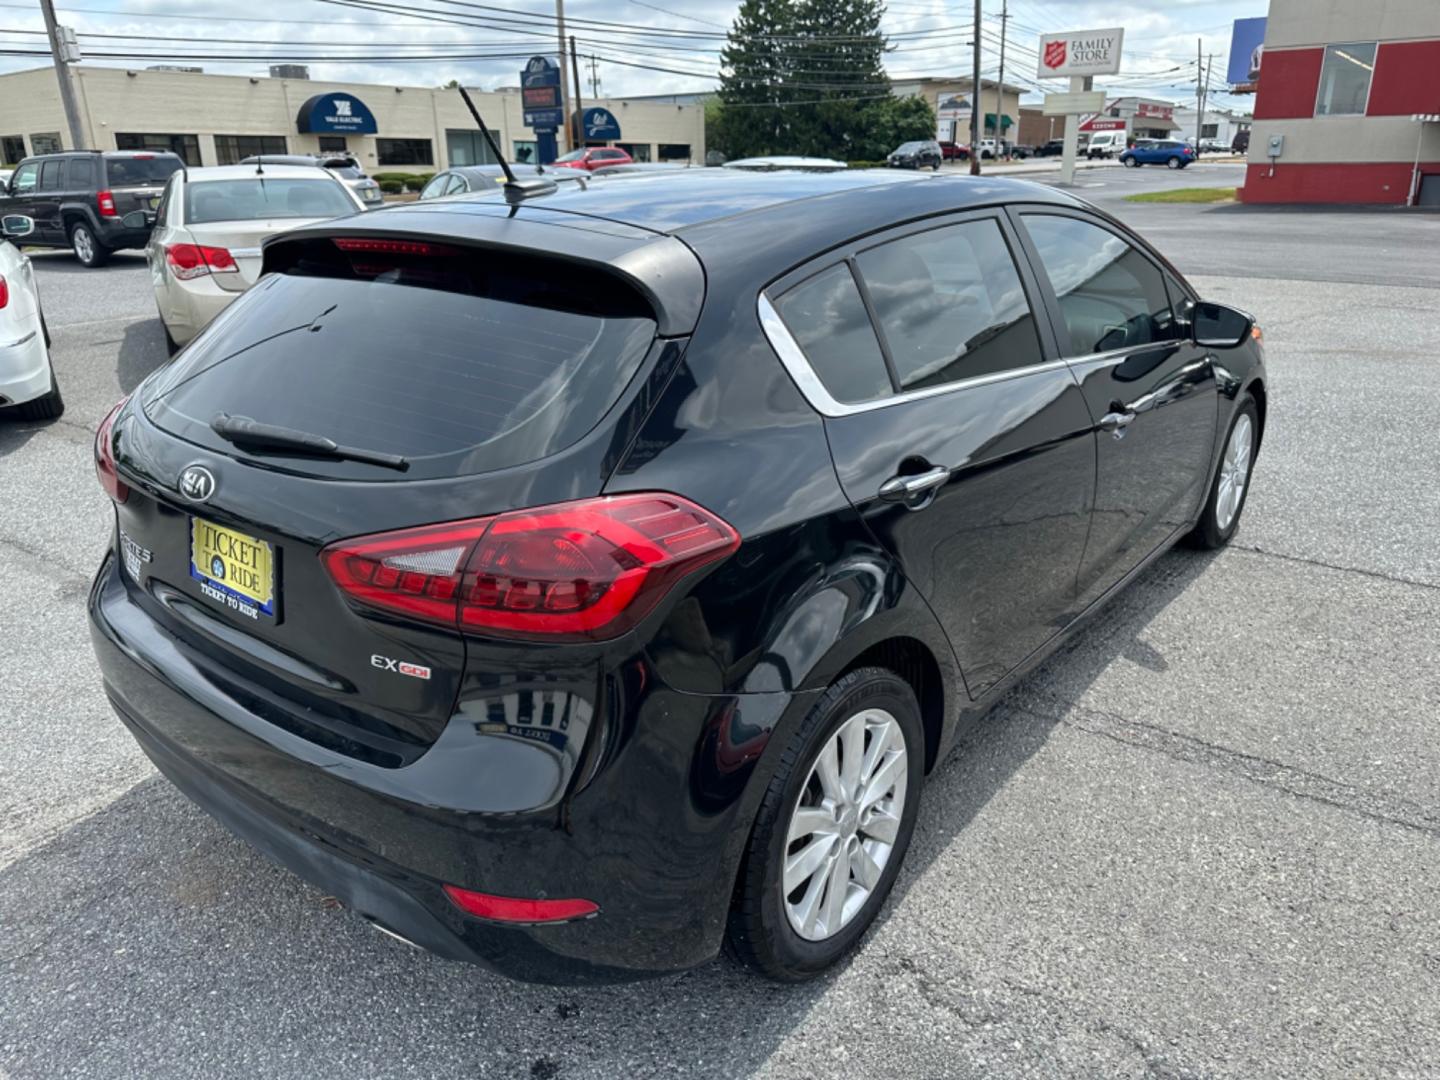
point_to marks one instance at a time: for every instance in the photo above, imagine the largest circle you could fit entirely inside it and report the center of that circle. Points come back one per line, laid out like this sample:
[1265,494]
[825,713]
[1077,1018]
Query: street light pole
[62,72]
[975,105]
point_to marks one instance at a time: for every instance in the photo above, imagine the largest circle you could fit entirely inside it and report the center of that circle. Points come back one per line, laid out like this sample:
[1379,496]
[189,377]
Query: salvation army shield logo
[1054,54]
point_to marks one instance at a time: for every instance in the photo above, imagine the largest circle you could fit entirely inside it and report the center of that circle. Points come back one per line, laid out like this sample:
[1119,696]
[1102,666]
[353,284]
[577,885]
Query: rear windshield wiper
[245,432]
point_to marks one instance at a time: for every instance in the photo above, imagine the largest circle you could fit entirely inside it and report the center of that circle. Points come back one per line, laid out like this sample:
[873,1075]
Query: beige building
[950,98]
[219,119]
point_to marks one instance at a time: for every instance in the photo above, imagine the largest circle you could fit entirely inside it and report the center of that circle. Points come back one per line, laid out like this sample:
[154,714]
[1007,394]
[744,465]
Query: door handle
[905,488]
[1116,421]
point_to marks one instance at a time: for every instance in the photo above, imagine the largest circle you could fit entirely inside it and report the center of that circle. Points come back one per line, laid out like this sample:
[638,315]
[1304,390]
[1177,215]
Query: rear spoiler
[660,268]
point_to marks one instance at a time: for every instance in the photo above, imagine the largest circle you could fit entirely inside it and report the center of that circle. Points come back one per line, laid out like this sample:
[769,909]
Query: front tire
[87,248]
[1174,163]
[832,829]
[1221,517]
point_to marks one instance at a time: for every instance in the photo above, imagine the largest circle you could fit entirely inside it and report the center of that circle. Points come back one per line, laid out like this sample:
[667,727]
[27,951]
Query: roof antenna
[259,165]
[516,191]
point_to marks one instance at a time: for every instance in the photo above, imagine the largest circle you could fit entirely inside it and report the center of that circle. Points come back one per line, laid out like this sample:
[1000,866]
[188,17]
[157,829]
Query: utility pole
[564,76]
[1000,88]
[1204,104]
[594,77]
[975,106]
[1199,92]
[62,56]
[579,101]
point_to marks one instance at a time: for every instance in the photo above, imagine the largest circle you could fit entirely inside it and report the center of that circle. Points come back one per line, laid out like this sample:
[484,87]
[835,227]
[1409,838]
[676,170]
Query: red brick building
[1354,92]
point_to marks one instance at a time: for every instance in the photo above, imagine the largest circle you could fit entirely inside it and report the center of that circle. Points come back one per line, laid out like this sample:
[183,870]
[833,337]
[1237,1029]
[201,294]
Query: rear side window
[950,304]
[263,199]
[1111,295]
[50,175]
[79,175]
[828,321]
[142,171]
[458,361]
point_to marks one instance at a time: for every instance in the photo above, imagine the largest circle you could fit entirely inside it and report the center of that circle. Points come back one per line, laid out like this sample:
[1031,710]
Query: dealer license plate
[233,569]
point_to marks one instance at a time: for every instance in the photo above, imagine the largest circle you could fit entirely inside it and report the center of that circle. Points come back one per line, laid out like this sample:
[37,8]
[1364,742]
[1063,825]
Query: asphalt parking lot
[1203,840]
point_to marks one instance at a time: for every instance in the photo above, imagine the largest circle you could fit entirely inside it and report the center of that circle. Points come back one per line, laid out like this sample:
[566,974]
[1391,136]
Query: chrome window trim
[809,384]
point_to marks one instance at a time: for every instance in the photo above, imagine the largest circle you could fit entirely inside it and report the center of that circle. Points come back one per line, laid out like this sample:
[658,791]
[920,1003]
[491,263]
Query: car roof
[250,172]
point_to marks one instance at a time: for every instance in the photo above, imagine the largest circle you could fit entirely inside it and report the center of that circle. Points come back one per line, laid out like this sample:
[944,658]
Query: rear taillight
[518,909]
[105,456]
[376,245]
[194,260]
[584,570]
[4,292]
[106,201]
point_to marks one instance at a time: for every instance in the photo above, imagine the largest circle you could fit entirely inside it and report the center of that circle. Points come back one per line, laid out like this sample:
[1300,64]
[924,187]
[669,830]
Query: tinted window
[23,182]
[162,212]
[261,199]
[828,320]
[950,304]
[1111,295]
[451,360]
[79,174]
[140,171]
[404,152]
[50,173]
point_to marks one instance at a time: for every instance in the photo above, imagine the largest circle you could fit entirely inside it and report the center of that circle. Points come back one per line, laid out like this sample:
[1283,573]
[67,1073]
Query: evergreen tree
[755,65]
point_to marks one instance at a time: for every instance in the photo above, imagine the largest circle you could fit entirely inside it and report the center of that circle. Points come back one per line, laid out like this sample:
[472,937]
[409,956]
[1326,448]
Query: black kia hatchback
[572,585]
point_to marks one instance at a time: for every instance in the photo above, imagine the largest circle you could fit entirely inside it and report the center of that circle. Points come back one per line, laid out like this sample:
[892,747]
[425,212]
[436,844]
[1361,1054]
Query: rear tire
[49,407]
[857,819]
[87,247]
[1220,519]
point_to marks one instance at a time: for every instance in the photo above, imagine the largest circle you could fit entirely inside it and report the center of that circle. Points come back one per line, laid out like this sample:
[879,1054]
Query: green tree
[755,64]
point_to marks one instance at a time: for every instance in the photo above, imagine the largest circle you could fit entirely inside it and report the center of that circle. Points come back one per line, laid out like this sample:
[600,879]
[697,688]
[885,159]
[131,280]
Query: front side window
[25,179]
[828,320]
[404,152]
[1111,295]
[1345,79]
[950,304]
[233,149]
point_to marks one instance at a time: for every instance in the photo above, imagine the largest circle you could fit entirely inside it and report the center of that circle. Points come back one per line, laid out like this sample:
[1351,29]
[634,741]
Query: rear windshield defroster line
[454,382]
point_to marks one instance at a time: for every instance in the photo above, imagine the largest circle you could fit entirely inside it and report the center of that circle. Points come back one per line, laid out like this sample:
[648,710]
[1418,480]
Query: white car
[204,249]
[27,378]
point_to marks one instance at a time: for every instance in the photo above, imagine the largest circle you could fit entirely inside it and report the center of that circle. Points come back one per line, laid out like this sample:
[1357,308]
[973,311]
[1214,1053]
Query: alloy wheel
[1234,472]
[84,244]
[844,825]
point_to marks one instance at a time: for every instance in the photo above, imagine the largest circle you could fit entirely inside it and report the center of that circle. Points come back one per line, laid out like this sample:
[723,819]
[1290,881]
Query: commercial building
[1138,117]
[1221,125]
[1347,106]
[1036,129]
[951,98]
[220,119]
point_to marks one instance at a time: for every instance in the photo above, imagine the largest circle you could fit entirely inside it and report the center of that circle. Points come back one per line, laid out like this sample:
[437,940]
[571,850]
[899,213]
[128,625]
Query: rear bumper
[195,303]
[24,368]
[654,837]
[116,236]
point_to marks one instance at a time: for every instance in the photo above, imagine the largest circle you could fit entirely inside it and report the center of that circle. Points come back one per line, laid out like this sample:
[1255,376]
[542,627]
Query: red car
[593,157]
[955,151]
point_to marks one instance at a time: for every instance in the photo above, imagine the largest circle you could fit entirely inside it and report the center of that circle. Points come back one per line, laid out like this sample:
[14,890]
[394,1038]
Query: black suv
[79,198]
[921,154]
[632,609]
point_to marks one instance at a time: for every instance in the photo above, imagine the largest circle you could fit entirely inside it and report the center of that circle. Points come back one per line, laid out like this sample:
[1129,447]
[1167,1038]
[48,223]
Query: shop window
[1209,131]
[1345,79]
[47,142]
[640,151]
[12,149]
[674,151]
[187,147]
[404,152]
[524,151]
[333,144]
[233,149]
[462,148]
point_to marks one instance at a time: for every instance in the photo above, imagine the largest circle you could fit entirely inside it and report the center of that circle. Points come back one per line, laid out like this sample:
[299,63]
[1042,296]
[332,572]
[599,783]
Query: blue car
[1174,155]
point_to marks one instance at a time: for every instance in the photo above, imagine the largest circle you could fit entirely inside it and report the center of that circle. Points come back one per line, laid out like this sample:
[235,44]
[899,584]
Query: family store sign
[1081,53]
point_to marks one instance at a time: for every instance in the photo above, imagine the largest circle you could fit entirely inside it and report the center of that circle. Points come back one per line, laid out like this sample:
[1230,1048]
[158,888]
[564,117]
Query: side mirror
[1217,326]
[4,189]
[138,219]
[16,226]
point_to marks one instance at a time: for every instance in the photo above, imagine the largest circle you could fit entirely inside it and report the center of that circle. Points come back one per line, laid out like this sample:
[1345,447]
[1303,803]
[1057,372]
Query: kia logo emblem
[197,483]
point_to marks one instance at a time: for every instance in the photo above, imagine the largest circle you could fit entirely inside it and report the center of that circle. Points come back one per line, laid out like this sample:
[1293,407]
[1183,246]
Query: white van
[1104,144]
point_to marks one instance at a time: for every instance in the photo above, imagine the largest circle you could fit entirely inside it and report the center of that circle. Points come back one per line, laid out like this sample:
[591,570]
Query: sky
[639,46]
